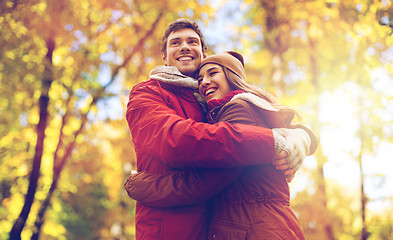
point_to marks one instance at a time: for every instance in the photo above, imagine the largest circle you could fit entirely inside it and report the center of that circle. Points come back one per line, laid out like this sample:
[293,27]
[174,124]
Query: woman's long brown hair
[236,83]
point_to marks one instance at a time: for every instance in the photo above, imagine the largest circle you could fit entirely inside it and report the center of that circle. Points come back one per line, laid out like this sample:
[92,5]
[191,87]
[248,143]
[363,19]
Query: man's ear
[163,58]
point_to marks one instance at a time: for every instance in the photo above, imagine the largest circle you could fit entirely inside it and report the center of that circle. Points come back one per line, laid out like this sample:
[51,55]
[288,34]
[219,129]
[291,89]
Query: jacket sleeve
[180,142]
[243,112]
[179,188]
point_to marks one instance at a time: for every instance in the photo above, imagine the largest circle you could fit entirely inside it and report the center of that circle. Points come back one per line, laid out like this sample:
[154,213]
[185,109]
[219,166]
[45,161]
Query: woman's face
[212,82]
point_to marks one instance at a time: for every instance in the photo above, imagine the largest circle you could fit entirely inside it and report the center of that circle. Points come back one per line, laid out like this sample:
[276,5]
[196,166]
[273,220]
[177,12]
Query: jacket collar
[257,101]
[220,102]
[215,105]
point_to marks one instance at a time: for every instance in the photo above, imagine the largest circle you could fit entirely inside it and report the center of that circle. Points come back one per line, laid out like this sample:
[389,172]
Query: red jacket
[164,121]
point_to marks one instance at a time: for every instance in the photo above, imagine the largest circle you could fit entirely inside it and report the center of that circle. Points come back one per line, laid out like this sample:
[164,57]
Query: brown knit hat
[231,60]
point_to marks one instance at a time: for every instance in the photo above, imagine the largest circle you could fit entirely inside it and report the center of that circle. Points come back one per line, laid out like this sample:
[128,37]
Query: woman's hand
[297,145]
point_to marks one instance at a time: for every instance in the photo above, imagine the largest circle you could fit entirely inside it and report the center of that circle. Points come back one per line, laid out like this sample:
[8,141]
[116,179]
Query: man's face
[184,51]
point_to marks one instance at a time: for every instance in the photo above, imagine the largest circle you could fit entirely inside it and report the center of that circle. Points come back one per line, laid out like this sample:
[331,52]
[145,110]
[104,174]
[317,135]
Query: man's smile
[184,59]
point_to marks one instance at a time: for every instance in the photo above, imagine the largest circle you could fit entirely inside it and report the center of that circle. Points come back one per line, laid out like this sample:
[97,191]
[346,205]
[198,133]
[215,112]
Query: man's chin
[188,71]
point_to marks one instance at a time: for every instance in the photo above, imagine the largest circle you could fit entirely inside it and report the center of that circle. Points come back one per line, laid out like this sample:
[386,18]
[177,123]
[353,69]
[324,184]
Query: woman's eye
[213,73]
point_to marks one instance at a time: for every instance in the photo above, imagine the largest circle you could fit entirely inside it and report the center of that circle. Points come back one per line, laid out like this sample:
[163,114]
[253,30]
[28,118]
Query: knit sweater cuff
[279,142]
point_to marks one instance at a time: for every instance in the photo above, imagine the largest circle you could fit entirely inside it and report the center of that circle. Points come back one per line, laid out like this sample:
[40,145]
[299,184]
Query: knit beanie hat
[231,60]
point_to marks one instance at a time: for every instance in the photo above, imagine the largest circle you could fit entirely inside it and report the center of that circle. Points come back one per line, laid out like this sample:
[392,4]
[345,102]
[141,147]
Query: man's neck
[192,75]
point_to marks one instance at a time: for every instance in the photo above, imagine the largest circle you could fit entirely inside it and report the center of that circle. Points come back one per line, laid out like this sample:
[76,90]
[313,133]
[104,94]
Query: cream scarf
[172,75]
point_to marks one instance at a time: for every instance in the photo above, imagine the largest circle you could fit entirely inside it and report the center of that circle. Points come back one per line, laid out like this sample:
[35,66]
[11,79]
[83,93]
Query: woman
[256,204]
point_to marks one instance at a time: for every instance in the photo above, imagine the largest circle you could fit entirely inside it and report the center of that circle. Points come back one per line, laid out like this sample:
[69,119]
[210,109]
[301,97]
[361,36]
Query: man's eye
[213,73]
[199,80]
[174,43]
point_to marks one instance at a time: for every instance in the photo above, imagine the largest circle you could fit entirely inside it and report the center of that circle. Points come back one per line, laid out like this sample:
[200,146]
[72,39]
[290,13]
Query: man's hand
[281,163]
[296,148]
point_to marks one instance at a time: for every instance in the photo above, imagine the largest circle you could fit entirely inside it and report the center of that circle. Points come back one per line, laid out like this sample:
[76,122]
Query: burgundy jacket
[167,132]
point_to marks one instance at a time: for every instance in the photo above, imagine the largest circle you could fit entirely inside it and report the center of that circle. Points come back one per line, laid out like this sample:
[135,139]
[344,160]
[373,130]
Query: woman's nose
[205,81]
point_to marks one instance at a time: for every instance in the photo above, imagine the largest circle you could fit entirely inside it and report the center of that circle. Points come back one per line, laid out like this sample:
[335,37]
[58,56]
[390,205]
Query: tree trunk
[363,198]
[41,213]
[58,166]
[276,44]
[321,159]
[20,222]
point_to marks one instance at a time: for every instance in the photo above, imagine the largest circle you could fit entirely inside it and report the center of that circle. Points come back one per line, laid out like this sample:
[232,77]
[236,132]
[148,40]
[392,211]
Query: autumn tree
[66,68]
[310,48]
[75,52]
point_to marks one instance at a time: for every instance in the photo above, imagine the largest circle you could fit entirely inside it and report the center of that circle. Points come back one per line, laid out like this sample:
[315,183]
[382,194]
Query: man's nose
[184,46]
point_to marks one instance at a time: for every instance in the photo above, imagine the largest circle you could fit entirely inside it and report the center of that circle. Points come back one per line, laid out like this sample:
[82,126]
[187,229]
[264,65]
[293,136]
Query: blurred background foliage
[66,68]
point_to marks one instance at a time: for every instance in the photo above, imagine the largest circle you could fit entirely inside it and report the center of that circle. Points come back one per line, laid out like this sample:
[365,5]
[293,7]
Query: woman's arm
[179,188]
[313,137]
[300,141]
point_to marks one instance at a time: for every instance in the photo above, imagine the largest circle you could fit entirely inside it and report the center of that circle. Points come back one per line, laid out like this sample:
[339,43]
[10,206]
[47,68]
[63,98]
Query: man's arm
[187,187]
[179,188]
[180,142]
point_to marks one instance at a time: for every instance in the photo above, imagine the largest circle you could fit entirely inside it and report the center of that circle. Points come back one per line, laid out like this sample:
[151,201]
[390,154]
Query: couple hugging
[214,153]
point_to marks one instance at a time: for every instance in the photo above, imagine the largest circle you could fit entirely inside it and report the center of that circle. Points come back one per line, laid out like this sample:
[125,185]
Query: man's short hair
[179,24]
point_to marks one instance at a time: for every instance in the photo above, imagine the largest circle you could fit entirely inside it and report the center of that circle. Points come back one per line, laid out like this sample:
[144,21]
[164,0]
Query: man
[166,123]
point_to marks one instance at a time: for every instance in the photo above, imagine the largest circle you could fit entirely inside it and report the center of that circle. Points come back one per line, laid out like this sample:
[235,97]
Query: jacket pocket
[226,232]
